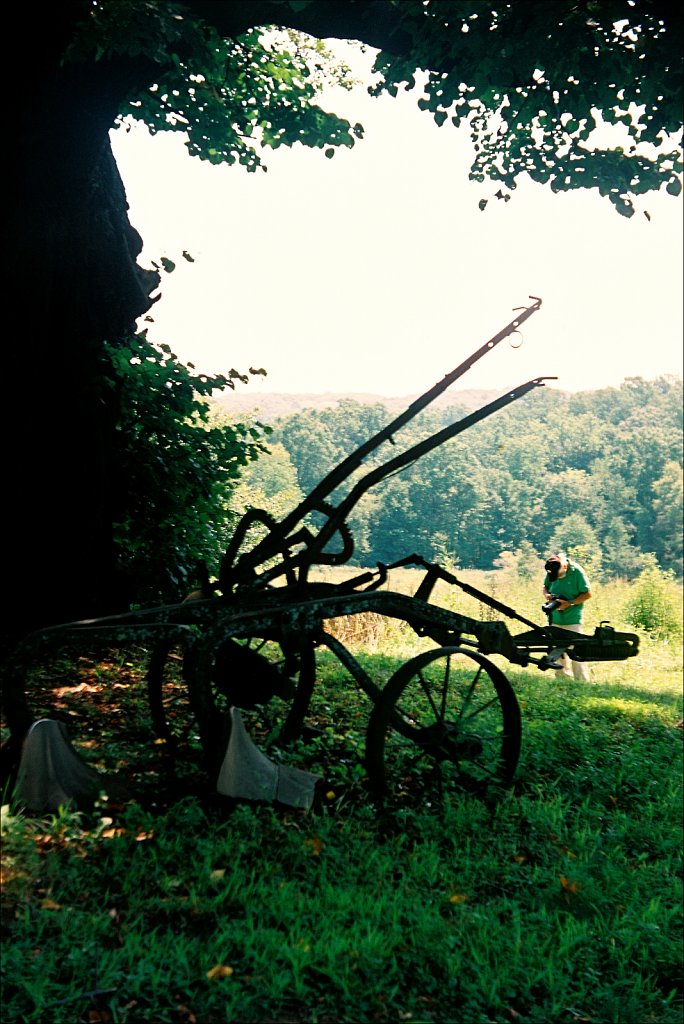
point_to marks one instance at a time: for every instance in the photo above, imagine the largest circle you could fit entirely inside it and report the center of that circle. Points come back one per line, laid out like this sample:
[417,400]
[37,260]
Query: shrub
[656,603]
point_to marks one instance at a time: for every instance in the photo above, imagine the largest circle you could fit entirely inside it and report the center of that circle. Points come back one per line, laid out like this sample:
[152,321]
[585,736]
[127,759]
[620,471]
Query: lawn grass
[559,900]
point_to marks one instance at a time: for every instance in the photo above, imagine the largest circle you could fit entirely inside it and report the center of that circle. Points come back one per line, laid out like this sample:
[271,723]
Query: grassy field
[558,900]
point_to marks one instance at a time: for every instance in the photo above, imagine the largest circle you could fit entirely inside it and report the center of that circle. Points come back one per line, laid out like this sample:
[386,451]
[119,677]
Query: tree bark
[72,282]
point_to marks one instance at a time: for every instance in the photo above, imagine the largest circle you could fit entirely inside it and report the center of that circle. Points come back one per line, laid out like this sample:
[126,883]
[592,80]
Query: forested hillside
[598,472]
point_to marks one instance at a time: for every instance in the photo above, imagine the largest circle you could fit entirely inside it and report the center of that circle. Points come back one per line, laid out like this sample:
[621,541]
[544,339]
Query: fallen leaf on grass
[111,833]
[571,887]
[99,1016]
[43,840]
[48,904]
[219,971]
[316,845]
[187,1013]
[457,897]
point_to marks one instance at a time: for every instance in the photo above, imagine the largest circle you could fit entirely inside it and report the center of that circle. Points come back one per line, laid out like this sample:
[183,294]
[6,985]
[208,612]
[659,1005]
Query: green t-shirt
[570,586]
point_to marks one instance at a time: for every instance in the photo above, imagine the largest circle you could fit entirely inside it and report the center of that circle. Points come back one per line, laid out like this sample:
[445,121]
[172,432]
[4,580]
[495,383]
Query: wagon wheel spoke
[428,693]
[447,720]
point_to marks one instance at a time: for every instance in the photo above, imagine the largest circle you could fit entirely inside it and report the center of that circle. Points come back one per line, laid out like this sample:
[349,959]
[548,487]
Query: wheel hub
[442,742]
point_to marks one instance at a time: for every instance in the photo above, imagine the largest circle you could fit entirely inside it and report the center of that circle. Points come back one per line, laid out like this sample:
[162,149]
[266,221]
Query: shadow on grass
[101,697]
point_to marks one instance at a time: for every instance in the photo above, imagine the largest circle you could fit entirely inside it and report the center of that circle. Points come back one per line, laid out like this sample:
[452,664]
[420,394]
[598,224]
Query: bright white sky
[376,272]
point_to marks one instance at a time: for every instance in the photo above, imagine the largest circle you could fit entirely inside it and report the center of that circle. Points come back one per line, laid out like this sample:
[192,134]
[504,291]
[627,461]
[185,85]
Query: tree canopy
[531,80]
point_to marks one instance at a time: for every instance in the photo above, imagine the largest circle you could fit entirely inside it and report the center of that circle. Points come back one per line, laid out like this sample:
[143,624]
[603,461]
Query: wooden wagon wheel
[446,720]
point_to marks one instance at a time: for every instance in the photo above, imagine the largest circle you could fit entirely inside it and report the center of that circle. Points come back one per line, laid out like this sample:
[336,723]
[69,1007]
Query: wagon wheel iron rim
[447,721]
[157,679]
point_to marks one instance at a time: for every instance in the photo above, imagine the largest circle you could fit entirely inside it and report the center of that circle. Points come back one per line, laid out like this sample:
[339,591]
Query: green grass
[557,901]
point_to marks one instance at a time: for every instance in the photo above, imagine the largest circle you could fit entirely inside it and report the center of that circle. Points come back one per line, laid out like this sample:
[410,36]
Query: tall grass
[651,606]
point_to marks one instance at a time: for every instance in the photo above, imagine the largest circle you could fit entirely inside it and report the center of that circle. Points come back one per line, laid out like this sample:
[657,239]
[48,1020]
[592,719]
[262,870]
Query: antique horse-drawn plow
[448,715]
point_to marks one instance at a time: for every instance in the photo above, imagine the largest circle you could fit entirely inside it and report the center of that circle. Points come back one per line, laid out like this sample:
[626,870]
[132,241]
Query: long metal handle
[405,459]
[277,540]
[348,465]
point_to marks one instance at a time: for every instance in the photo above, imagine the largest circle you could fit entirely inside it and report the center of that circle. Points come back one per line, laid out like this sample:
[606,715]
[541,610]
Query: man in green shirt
[567,582]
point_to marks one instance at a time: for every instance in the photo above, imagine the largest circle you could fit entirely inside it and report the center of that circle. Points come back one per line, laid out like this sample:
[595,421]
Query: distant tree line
[597,472]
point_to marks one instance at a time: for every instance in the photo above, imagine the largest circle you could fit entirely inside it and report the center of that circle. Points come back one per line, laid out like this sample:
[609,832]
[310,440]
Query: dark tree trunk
[72,283]
[73,278]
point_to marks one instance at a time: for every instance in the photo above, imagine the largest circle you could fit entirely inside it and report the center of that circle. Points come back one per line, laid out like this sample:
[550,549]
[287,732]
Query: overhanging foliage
[536,83]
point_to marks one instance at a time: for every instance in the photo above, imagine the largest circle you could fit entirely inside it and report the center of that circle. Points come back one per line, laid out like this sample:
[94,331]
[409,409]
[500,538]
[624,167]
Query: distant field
[272,405]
